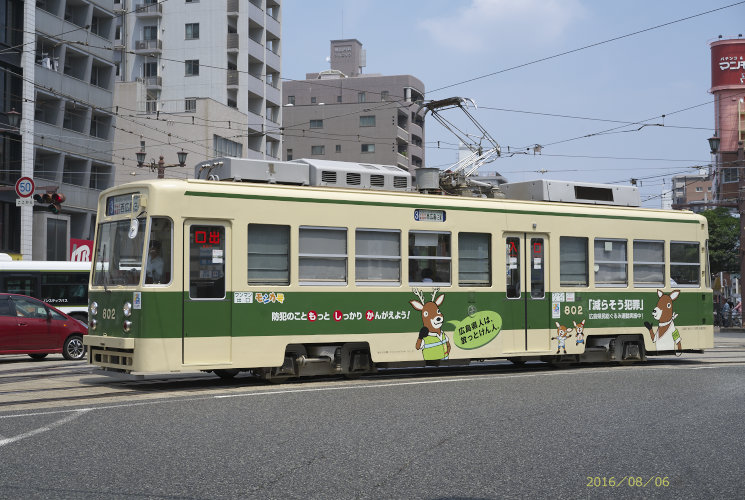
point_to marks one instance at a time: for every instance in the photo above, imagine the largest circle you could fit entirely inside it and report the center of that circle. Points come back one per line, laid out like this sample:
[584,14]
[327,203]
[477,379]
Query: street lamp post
[160,165]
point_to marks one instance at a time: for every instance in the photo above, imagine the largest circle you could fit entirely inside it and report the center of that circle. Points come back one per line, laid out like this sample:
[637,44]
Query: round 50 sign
[25,187]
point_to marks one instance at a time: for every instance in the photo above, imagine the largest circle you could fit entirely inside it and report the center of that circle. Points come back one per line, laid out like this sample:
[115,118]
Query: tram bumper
[114,353]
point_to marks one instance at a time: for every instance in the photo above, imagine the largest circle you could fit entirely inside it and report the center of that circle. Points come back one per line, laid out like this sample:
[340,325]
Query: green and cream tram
[285,281]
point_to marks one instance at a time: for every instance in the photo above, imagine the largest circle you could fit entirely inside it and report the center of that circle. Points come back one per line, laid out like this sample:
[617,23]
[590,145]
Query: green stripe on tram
[432,207]
[162,313]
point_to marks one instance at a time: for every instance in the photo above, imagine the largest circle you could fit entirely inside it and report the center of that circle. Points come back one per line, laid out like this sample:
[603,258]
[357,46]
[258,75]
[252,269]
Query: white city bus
[61,284]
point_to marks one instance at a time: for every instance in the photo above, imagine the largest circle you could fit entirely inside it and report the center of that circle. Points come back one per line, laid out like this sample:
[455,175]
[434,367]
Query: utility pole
[740,165]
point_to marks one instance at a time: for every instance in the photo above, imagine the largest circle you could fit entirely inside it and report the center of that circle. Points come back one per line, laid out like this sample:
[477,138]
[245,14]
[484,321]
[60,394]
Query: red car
[29,326]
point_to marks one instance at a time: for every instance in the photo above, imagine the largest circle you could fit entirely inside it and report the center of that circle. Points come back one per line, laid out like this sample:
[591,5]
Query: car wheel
[38,356]
[73,348]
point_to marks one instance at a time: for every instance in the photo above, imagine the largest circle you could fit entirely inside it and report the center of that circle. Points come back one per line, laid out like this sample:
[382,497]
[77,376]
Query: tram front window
[118,258]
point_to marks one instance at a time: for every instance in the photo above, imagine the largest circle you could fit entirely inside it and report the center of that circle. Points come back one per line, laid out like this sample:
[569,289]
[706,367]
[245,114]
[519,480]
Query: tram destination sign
[123,204]
[425,215]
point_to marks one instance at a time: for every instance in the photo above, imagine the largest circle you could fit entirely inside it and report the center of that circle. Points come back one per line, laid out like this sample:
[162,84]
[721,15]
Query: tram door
[527,285]
[206,335]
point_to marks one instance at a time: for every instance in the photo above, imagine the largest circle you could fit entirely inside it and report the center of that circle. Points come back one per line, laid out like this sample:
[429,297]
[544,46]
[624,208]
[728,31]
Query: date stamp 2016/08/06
[628,481]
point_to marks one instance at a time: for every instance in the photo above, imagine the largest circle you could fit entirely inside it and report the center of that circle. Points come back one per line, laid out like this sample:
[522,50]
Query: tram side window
[474,259]
[513,267]
[377,257]
[158,268]
[323,255]
[649,263]
[429,257]
[611,264]
[573,262]
[268,260]
[684,263]
[207,262]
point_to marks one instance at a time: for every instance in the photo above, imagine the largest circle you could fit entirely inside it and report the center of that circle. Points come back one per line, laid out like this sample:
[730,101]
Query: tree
[724,240]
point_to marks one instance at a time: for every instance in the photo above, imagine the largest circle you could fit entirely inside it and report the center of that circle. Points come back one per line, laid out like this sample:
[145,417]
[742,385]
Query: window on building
[317,150]
[474,259]
[316,124]
[378,257]
[190,104]
[268,254]
[192,67]
[729,175]
[323,255]
[149,32]
[289,154]
[699,189]
[429,257]
[192,31]
[684,263]
[150,69]
[573,262]
[338,148]
[611,264]
[367,121]
[313,100]
[338,98]
[649,263]
[361,97]
[368,148]
[225,147]
[291,99]
[384,95]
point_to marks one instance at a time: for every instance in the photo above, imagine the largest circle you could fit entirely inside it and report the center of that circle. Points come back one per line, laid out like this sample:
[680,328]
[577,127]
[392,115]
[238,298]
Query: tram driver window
[573,261]
[429,258]
[158,266]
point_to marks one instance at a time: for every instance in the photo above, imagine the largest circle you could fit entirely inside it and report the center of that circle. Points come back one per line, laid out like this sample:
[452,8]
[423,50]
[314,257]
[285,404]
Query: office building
[59,75]
[344,115]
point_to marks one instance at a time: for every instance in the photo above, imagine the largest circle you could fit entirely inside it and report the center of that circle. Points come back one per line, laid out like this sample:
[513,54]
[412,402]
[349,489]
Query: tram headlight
[93,308]
[127,309]
[92,324]
[127,325]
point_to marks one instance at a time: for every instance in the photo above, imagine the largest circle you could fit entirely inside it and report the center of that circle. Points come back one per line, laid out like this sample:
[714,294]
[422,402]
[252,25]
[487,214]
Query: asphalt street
[669,428]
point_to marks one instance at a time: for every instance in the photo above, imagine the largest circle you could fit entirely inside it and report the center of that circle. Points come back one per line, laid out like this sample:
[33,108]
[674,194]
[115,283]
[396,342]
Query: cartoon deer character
[579,330]
[432,341]
[562,335]
[666,337]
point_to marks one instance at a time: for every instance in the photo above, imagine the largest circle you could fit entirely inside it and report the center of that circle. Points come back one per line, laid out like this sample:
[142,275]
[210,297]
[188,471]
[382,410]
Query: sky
[611,91]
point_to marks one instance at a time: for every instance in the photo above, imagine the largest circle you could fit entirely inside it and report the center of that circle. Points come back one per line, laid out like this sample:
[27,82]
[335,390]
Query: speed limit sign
[25,187]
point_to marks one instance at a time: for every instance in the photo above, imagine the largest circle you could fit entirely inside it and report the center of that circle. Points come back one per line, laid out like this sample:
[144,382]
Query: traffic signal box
[53,201]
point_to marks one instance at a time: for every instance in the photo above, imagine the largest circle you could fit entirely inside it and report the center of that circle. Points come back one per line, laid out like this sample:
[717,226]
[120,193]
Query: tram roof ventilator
[573,192]
[306,172]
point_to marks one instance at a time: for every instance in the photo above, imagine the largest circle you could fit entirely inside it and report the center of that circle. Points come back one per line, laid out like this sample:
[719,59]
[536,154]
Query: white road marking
[46,428]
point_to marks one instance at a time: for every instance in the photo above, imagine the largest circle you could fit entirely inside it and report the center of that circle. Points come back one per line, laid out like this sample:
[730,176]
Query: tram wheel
[226,374]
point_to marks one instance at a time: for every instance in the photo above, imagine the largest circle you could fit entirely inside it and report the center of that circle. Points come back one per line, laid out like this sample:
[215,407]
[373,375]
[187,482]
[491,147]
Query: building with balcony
[341,114]
[692,192]
[59,74]
[202,76]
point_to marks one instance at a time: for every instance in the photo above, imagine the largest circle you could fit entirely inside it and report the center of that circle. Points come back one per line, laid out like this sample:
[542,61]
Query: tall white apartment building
[201,75]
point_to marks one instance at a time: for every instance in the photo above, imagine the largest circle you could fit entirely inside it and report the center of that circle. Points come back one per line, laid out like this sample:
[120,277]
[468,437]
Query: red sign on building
[727,64]
[81,250]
